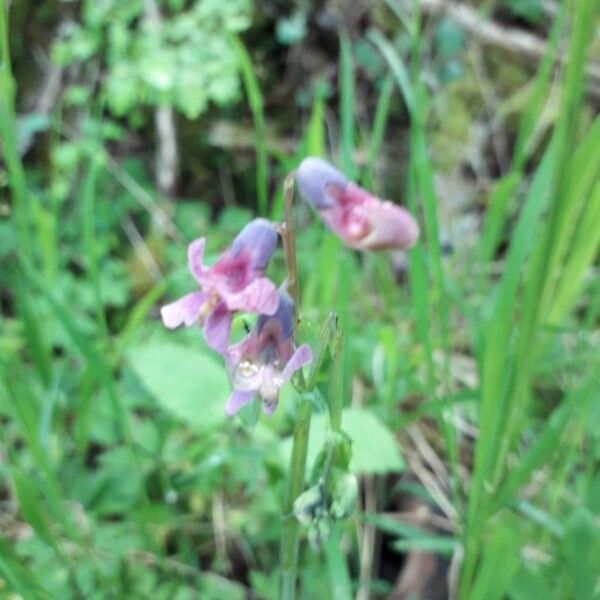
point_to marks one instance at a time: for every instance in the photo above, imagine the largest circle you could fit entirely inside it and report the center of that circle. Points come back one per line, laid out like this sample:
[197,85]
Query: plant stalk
[290,536]
[336,386]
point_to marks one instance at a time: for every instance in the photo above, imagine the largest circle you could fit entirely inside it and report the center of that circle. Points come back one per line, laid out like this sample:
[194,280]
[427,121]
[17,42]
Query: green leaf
[374,448]
[292,30]
[500,560]
[17,576]
[436,544]
[580,552]
[215,587]
[529,584]
[185,382]
[411,537]
[28,493]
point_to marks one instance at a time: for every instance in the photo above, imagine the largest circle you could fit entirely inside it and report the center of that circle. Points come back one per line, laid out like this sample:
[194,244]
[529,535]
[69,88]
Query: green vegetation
[470,372]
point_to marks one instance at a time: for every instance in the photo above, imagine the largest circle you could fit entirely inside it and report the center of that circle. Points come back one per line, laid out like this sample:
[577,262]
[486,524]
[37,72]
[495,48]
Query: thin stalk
[14,166]
[256,103]
[346,105]
[336,385]
[290,535]
[289,246]
[382,111]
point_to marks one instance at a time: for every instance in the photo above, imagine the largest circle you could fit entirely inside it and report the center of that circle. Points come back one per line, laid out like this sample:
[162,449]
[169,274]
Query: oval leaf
[187,383]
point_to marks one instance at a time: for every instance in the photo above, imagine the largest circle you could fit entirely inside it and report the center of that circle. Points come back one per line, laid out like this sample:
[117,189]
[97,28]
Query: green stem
[290,536]
[289,246]
[336,384]
[14,166]
[255,100]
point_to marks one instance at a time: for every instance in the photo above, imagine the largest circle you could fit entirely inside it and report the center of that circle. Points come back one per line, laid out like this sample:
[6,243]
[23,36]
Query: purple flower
[234,283]
[360,219]
[265,359]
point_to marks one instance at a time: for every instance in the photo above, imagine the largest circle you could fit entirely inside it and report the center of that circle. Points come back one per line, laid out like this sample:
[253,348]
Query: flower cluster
[234,283]
[261,363]
[265,359]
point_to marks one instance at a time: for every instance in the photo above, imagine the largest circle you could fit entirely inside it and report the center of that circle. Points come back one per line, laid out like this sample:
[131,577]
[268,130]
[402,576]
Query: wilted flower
[234,283]
[265,359]
[360,219]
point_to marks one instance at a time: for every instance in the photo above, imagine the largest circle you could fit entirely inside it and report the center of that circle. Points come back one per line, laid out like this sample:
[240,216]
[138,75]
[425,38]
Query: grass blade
[346,106]
[255,100]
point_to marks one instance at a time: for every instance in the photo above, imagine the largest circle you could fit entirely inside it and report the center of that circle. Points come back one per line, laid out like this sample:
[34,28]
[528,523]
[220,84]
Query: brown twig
[286,231]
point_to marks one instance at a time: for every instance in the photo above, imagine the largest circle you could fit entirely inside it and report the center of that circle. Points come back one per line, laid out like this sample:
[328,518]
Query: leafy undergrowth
[471,371]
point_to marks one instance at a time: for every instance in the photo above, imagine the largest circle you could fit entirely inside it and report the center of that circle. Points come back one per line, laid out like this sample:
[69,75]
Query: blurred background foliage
[184,59]
[471,368]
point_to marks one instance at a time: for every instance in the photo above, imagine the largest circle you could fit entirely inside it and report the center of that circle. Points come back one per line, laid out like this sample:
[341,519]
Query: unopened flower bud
[309,505]
[344,496]
[359,218]
[319,531]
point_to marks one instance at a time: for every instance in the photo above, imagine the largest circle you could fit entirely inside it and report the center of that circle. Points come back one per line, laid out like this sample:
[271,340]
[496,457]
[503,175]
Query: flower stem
[290,535]
[289,247]
[336,383]
[290,540]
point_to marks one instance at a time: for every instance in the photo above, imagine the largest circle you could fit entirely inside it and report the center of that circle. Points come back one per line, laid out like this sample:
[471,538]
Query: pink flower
[234,283]
[265,359]
[360,219]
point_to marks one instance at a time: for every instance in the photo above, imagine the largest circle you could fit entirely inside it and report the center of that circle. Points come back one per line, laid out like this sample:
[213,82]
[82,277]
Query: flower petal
[258,239]
[284,315]
[314,176]
[217,328]
[390,226]
[248,376]
[362,220]
[260,296]
[237,400]
[301,357]
[183,311]
[195,255]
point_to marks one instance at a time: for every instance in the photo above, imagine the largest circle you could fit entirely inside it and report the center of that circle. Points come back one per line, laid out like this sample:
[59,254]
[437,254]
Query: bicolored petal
[314,177]
[302,356]
[218,327]
[359,218]
[284,315]
[389,226]
[184,311]
[258,239]
[195,255]
[265,360]
[259,296]
[237,400]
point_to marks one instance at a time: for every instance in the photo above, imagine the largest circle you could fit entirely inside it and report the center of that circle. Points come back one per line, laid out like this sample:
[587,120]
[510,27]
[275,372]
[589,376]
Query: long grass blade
[346,90]
[255,100]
